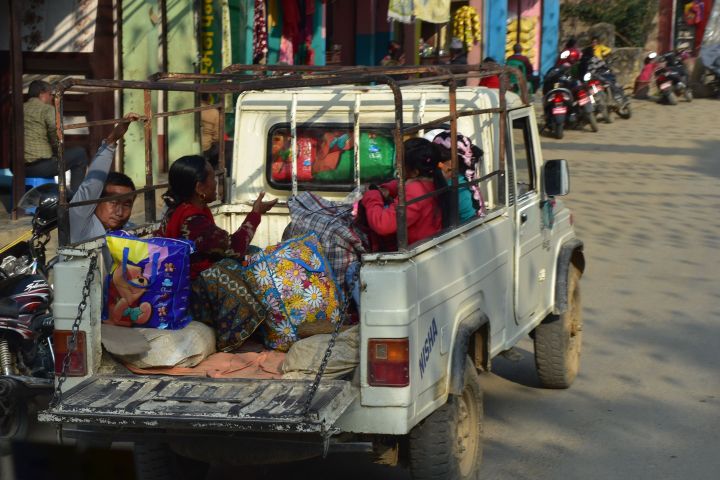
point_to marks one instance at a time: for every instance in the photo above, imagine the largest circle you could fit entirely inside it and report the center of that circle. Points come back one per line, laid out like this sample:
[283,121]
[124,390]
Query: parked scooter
[567,101]
[26,323]
[672,79]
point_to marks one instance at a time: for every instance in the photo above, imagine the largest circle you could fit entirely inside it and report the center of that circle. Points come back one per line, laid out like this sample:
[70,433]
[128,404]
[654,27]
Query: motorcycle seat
[9,308]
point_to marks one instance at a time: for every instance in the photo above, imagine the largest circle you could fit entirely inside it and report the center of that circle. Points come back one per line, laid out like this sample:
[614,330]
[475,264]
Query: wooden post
[150,195]
[18,137]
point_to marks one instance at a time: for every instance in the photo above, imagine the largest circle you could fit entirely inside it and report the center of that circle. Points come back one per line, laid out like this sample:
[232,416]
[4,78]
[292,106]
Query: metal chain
[312,390]
[72,345]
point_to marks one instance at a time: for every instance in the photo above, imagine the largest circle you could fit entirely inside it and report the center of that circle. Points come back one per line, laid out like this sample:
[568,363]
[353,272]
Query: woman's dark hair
[183,176]
[424,156]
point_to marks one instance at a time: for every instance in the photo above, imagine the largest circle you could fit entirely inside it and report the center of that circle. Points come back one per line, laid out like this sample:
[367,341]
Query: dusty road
[646,405]
[646,196]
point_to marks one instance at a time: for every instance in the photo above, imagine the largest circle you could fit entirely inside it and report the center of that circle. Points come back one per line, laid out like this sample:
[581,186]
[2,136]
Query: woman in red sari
[220,297]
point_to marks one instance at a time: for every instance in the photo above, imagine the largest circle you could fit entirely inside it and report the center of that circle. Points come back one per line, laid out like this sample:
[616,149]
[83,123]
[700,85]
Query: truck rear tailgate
[202,403]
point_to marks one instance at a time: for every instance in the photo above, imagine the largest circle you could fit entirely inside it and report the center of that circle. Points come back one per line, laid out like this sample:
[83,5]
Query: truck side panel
[443,285]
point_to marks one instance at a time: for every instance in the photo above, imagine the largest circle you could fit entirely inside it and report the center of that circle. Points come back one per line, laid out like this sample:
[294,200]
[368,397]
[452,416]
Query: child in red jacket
[422,176]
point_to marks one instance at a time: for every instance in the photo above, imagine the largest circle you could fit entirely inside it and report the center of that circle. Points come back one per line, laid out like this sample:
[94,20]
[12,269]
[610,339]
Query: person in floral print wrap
[220,296]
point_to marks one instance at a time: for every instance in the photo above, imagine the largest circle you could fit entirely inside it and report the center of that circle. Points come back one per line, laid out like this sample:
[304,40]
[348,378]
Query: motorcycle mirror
[565,54]
[586,77]
[35,196]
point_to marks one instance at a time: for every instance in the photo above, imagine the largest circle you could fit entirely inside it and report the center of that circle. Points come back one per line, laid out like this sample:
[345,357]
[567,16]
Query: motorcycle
[567,102]
[617,101]
[27,358]
[600,94]
[672,79]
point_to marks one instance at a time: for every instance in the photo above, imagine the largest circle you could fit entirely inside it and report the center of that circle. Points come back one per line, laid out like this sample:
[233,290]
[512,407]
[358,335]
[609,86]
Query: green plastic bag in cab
[376,161]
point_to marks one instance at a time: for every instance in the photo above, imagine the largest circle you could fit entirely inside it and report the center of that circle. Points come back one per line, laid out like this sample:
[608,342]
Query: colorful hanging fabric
[260,35]
[433,11]
[401,11]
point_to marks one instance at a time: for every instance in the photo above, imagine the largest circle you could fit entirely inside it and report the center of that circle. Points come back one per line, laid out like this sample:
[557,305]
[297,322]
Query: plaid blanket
[333,224]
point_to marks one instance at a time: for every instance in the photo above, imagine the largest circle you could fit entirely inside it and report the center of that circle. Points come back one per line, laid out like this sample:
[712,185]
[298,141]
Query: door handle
[523,217]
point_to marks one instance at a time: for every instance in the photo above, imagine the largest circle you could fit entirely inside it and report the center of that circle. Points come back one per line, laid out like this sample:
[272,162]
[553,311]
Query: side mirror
[557,178]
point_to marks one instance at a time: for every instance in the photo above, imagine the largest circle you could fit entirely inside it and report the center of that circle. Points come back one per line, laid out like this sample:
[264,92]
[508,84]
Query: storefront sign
[210,36]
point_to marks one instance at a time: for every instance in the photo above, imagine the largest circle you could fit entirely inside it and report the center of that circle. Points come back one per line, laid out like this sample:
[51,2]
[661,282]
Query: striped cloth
[333,224]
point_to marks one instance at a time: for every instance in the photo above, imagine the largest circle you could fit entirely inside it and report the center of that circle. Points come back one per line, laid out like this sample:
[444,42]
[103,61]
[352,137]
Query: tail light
[558,98]
[78,358]
[582,94]
[388,362]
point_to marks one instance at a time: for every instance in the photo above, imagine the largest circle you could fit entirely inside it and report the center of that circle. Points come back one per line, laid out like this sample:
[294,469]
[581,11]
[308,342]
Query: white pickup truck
[443,307]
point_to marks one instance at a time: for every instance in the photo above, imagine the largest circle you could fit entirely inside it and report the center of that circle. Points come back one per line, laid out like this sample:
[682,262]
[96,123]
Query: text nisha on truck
[433,314]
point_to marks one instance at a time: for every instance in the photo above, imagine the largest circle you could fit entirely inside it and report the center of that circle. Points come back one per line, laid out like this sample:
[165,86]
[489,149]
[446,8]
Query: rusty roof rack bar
[236,79]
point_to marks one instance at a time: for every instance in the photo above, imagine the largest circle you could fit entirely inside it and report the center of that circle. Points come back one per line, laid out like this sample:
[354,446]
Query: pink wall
[476,54]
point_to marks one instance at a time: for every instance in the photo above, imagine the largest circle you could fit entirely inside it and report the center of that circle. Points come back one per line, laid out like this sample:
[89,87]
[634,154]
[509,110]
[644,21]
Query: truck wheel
[448,443]
[558,340]
[157,461]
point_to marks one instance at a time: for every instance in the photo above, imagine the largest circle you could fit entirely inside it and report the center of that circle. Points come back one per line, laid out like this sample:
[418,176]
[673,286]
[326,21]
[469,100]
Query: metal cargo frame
[237,79]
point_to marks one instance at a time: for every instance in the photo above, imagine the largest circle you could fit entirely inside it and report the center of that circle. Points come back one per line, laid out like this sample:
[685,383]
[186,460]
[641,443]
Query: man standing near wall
[41,139]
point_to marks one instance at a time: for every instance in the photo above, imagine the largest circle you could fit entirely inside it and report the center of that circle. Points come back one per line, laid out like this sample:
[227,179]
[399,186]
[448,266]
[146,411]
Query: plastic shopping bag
[149,284]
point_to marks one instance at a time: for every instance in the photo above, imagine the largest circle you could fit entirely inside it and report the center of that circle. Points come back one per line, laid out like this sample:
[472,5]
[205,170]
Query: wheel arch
[571,253]
[472,338]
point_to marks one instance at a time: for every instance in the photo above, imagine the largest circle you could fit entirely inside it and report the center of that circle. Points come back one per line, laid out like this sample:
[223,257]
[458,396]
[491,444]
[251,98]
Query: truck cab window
[523,152]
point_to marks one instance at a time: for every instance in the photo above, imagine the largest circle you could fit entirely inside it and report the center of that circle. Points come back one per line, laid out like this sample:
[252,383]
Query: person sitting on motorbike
[422,176]
[600,50]
[92,221]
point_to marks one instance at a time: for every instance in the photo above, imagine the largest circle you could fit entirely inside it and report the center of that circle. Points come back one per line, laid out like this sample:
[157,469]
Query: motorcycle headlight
[586,77]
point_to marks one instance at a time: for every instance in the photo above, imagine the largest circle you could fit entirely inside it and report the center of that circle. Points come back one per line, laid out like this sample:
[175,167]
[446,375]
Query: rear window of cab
[325,156]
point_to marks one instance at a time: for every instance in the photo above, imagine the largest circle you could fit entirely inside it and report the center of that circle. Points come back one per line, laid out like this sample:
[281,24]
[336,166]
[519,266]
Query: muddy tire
[625,111]
[671,98]
[14,426]
[688,94]
[593,122]
[604,110]
[448,443]
[157,461]
[558,340]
